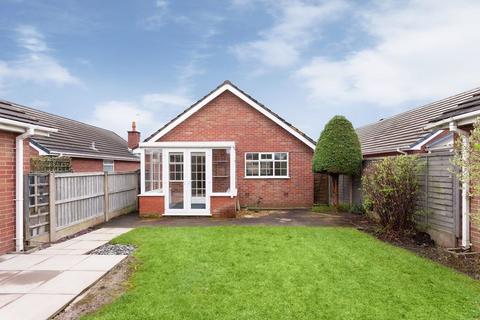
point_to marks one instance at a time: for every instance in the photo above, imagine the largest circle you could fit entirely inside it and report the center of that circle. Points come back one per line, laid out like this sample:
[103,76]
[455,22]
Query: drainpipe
[465,187]
[19,188]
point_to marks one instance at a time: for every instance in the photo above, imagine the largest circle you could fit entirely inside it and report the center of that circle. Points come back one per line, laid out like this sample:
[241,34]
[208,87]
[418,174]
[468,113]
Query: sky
[110,62]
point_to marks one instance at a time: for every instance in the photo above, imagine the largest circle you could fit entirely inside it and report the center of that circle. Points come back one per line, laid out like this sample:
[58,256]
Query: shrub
[322,208]
[337,152]
[390,188]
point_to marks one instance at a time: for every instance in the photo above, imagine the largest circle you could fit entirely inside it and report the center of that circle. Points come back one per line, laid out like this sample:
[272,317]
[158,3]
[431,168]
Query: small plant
[390,187]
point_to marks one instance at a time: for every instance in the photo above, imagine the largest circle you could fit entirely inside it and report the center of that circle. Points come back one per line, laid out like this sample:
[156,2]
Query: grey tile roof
[249,96]
[406,129]
[470,105]
[73,137]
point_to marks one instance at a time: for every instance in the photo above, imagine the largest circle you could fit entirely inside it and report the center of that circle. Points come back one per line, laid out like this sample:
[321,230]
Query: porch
[188,178]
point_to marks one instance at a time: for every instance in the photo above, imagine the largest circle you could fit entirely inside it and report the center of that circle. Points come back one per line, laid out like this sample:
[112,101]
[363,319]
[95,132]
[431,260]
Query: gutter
[401,151]
[465,186]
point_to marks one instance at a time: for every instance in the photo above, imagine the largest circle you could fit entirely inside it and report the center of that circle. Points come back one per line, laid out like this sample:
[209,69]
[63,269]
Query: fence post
[52,214]
[105,196]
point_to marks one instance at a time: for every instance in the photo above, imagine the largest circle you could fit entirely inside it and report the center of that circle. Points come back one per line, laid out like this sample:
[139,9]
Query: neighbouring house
[412,132]
[90,148]
[459,122]
[226,150]
[16,128]
[26,133]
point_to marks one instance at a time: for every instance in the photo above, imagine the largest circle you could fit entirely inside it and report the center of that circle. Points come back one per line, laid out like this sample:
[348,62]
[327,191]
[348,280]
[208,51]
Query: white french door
[188,179]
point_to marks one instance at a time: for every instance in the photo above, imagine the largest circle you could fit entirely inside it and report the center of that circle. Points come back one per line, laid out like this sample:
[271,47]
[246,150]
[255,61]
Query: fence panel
[60,204]
[79,197]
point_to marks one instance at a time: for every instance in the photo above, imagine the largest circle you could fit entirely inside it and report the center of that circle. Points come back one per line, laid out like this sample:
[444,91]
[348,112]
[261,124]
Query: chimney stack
[133,137]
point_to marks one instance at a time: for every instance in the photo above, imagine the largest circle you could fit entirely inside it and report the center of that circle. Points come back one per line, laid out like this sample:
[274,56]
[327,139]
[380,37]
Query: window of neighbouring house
[153,170]
[266,164]
[108,166]
[220,170]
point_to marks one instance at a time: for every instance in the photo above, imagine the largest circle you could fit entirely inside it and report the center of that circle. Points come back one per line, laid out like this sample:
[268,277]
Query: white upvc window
[266,165]
[108,166]
[153,171]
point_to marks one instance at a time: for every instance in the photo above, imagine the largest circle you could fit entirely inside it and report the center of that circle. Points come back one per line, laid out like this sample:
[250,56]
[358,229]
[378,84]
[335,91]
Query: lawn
[285,273]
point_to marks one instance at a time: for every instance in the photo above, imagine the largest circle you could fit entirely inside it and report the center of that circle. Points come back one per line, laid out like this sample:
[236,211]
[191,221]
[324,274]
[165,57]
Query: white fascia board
[41,152]
[188,144]
[462,119]
[420,144]
[15,125]
[242,96]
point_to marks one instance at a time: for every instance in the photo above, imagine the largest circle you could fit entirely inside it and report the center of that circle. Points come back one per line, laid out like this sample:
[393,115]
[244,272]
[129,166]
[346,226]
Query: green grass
[285,273]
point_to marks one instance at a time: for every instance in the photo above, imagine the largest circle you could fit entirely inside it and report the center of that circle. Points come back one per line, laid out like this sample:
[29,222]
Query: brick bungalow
[91,149]
[226,150]
[15,129]
[412,132]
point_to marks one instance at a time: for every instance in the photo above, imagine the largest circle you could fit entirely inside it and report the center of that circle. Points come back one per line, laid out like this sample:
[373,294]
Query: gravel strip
[114,249]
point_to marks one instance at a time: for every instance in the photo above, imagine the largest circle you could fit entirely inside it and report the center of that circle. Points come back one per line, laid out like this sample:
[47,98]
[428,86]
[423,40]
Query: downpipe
[19,188]
[465,187]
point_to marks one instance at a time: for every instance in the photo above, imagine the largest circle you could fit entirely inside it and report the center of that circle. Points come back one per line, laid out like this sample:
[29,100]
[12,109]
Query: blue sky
[110,62]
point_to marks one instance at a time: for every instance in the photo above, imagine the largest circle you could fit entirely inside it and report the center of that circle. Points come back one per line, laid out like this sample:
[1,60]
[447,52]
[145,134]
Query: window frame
[112,164]
[153,178]
[272,160]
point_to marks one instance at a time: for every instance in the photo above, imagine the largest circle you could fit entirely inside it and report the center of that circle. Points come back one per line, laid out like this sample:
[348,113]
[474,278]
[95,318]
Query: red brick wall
[154,206]
[151,206]
[96,165]
[474,227]
[223,206]
[228,118]
[122,166]
[7,188]
[7,191]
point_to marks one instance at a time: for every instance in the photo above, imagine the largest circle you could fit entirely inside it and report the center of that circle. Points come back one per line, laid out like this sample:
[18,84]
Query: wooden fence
[61,204]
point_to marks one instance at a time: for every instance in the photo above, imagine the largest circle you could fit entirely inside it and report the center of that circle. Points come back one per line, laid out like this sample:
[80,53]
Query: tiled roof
[406,129]
[253,99]
[73,137]
[470,105]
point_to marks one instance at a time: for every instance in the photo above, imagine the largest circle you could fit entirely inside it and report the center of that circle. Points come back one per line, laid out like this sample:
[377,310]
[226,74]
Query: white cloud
[158,17]
[422,51]
[34,63]
[150,112]
[296,25]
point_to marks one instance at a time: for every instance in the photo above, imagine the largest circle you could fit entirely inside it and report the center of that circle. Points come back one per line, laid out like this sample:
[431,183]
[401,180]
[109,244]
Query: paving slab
[69,282]
[35,306]
[7,298]
[98,236]
[25,281]
[21,262]
[7,274]
[51,252]
[59,262]
[6,257]
[117,231]
[98,263]
[86,245]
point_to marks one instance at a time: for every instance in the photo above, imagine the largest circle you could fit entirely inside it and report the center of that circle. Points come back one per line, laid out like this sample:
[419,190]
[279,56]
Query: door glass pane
[175,185]
[198,180]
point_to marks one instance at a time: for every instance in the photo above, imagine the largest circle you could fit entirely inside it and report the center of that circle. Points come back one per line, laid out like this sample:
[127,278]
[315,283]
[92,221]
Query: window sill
[266,177]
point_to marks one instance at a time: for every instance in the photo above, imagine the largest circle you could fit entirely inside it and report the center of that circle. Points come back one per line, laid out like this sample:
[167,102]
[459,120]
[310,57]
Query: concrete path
[38,285]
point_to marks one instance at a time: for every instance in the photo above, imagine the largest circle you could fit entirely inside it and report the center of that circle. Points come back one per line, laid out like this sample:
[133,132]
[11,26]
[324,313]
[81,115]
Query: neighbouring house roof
[16,120]
[227,85]
[73,138]
[406,130]
[469,107]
